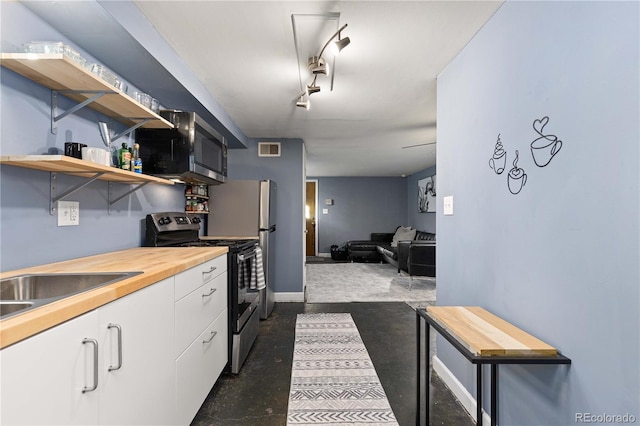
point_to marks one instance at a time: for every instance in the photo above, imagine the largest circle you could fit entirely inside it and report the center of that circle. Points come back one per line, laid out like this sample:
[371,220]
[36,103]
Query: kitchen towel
[257,272]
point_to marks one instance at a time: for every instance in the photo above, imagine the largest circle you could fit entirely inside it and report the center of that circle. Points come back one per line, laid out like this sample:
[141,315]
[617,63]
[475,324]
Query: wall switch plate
[448,205]
[68,213]
[325,211]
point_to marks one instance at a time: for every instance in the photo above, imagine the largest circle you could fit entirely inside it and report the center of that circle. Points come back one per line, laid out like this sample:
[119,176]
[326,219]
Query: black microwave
[192,151]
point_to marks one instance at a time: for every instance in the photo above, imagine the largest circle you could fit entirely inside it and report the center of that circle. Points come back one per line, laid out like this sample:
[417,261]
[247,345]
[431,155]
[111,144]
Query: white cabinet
[137,363]
[201,329]
[199,367]
[43,377]
[152,356]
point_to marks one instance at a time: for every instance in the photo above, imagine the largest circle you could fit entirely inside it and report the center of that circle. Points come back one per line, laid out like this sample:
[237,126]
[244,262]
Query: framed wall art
[427,194]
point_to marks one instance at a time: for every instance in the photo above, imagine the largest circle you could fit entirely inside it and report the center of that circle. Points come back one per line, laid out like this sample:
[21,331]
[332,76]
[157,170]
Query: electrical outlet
[68,213]
[325,211]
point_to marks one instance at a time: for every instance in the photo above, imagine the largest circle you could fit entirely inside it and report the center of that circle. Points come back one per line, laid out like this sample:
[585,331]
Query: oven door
[246,300]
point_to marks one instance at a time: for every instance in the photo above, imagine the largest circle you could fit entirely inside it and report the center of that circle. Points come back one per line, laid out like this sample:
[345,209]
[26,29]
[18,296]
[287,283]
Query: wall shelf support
[112,201]
[97,94]
[132,128]
[54,199]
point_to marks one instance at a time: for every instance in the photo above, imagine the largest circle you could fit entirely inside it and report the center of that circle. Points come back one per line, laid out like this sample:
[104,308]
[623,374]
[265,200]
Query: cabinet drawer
[194,311]
[193,278]
[198,368]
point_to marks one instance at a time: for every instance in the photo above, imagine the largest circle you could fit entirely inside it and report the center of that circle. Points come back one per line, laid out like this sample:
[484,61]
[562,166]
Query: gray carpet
[366,282]
[333,380]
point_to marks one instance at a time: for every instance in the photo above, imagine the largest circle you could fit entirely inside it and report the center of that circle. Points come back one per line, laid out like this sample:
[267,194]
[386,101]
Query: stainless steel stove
[177,229]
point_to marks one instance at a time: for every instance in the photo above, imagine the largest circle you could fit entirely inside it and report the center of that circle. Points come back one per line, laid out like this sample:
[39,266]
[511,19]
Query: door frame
[315,213]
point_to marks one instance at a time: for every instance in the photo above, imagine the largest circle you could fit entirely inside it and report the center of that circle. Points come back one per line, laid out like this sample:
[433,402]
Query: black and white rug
[333,381]
[366,282]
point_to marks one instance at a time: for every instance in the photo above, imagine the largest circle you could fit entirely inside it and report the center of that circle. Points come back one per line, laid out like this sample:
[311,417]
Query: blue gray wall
[361,205]
[28,234]
[287,172]
[560,258]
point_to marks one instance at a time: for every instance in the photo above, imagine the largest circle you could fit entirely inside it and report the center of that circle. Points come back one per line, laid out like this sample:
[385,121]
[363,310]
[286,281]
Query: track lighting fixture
[340,44]
[302,103]
[319,66]
[313,88]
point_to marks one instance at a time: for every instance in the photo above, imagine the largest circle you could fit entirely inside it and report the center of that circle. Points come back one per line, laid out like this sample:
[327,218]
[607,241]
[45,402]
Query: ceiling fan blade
[420,144]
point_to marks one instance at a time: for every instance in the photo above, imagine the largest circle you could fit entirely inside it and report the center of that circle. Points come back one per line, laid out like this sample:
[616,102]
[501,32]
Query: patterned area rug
[333,381]
[366,282]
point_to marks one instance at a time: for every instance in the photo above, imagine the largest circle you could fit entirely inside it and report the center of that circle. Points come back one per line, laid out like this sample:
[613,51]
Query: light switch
[325,211]
[448,205]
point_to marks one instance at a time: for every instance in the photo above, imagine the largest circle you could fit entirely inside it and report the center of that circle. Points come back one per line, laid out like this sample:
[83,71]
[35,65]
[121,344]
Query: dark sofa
[417,256]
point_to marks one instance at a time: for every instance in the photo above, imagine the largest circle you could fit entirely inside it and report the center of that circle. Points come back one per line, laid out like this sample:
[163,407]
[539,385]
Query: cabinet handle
[117,327]
[213,290]
[213,334]
[213,268]
[94,342]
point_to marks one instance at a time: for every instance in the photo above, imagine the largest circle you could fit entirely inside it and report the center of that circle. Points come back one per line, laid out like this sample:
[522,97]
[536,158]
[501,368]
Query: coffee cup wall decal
[517,178]
[499,159]
[544,148]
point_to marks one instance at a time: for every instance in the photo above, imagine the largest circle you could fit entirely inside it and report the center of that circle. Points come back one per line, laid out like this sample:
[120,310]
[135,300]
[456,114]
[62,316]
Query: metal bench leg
[479,394]
[494,394]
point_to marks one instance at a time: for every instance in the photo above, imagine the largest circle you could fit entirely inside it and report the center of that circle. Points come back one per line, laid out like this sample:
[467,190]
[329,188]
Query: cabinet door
[43,377]
[199,367]
[138,387]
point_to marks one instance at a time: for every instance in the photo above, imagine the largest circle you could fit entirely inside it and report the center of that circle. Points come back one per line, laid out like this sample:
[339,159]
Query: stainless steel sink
[25,292]
[7,308]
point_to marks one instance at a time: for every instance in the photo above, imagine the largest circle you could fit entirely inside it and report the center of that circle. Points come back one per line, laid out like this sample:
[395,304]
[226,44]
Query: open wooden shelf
[76,167]
[59,73]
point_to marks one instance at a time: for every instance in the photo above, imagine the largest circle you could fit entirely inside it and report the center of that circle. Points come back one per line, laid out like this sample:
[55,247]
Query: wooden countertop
[155,263]
[485,334]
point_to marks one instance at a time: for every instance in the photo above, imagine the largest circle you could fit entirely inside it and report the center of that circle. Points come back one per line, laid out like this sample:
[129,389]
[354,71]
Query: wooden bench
[483,338]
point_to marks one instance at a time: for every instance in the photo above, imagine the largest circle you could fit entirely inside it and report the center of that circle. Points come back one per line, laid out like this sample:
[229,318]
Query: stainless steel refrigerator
[247,208]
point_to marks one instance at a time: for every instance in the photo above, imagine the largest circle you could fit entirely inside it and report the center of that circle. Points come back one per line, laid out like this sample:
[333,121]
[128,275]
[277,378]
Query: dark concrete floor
[260,393]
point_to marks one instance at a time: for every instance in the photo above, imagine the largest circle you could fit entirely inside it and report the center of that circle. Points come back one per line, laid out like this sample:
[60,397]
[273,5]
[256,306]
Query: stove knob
[161,221]
[195,220]
[167,220]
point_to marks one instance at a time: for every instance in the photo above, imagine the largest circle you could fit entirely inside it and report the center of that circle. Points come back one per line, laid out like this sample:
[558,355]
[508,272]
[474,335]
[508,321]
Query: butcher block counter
[154,263]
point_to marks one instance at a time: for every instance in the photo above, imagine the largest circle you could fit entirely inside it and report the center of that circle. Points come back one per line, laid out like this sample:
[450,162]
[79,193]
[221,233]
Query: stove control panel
[166,222]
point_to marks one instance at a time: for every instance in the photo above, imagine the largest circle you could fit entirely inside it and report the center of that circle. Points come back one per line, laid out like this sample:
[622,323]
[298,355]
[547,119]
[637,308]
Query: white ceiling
[384,95]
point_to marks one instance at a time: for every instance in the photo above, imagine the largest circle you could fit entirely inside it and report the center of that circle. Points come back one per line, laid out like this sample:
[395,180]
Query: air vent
[268,149]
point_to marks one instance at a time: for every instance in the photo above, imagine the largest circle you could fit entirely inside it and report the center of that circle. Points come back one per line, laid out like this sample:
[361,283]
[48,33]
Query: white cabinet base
[199,366]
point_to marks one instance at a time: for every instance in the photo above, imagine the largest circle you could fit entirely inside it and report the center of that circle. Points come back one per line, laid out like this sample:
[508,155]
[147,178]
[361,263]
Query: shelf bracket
[115,200]
[132,128]
[54,199]
[97,94]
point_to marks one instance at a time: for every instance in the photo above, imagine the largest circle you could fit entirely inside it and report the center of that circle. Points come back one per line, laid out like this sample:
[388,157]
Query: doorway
[310,217]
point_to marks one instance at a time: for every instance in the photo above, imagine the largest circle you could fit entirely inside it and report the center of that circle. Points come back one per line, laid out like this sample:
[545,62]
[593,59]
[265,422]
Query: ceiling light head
[317,65]
[340,44]
[313,88]
[302,103]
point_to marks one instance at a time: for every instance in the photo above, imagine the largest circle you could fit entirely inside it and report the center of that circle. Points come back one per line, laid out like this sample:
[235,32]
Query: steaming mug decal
[544,148]
[499,159]
[517,178]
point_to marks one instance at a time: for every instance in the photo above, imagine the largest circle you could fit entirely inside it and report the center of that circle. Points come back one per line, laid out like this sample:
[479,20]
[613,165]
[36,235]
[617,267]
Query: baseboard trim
[288,297]
[466,399]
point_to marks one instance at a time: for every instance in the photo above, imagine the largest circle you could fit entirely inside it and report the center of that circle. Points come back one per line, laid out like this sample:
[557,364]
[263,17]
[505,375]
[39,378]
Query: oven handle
[243,257]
